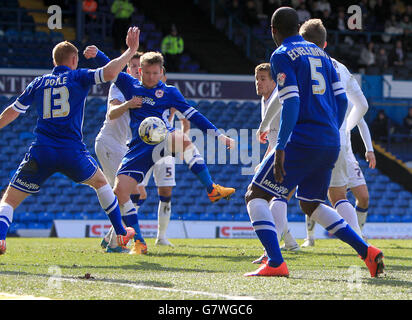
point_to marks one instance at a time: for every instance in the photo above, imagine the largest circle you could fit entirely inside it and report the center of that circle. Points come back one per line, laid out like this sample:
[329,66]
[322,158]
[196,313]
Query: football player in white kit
[346,174]
[266,88]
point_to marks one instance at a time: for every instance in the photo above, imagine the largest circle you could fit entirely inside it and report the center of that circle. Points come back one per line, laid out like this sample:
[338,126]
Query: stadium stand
[61,199]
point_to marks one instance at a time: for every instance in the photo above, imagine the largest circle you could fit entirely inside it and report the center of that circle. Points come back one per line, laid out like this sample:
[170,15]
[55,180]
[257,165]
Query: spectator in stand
[382,60]
[340,23]
[397,56]
[367,56]
[172,49]
[392,27]
[406,25]
[303,14]
[90,8]
[122,11]
[380,127]
[407,122]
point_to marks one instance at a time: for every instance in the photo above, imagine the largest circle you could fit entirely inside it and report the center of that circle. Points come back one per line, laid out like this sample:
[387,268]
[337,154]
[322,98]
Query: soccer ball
[152,130]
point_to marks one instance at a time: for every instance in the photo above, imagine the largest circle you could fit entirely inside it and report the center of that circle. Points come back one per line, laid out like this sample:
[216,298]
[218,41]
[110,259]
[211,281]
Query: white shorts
[340,177]
[110,154]
[355,174]
[163,172]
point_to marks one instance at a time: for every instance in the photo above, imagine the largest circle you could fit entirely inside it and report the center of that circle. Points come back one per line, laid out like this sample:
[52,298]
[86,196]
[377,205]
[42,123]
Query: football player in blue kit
[313,109]
[158,99]
[60,99]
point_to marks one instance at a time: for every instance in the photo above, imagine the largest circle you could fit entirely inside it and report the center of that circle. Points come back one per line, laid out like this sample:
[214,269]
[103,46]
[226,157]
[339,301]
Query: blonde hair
[152,58]
[314,31]
[264,67]
[62,51]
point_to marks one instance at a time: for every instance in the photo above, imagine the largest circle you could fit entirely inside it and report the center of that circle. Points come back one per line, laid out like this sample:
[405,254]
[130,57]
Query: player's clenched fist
[90,52]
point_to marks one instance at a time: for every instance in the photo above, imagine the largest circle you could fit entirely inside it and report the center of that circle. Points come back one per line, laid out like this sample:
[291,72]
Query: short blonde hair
[62,51]
[264,67]
[152,58]
[314,31]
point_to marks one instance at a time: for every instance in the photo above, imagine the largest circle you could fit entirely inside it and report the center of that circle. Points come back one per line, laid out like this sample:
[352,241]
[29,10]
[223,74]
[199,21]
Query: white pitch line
[141,286]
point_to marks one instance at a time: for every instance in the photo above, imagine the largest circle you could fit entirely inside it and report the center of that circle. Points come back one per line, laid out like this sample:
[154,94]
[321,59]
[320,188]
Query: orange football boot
[374,261]
[220,192]
[123,240]
[267,271]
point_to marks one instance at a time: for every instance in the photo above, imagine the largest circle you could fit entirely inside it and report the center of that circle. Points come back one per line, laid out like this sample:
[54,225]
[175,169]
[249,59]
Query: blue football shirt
[157,102]
[60,99]
[303,70]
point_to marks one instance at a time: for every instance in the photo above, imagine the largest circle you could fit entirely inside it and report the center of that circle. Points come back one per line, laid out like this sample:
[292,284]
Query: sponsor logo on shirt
[148,101]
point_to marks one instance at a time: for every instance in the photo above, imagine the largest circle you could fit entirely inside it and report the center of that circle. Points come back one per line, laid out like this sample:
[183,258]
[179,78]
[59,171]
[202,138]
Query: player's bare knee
[254,192]
[165,191]
[308,207]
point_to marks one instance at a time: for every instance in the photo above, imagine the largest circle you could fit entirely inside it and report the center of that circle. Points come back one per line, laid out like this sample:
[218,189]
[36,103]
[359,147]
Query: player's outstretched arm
[8,116]
[114,67]
[92,52]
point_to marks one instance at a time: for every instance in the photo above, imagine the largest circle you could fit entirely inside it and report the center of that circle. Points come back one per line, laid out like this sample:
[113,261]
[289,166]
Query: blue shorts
[140,158]
[40,162]
[308,169]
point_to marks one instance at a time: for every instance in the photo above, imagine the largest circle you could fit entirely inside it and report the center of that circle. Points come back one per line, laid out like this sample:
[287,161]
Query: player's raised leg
[110,205]
[179,142]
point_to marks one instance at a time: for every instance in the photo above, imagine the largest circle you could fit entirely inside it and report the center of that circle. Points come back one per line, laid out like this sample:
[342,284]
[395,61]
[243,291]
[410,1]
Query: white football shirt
[275,123]
[117,129]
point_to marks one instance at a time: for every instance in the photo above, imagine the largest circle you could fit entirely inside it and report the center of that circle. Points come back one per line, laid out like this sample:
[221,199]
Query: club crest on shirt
[280,79]
[159,93]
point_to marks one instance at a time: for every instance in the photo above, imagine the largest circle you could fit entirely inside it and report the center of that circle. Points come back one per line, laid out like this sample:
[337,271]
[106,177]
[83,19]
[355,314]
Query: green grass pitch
[198,269]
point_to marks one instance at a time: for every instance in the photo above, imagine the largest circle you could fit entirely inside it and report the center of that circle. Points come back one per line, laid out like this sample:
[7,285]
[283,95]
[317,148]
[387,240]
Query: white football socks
[347,212]
[163,218]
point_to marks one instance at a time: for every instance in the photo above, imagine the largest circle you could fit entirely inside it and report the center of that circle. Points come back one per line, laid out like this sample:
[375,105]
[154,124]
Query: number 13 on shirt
[62,102]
